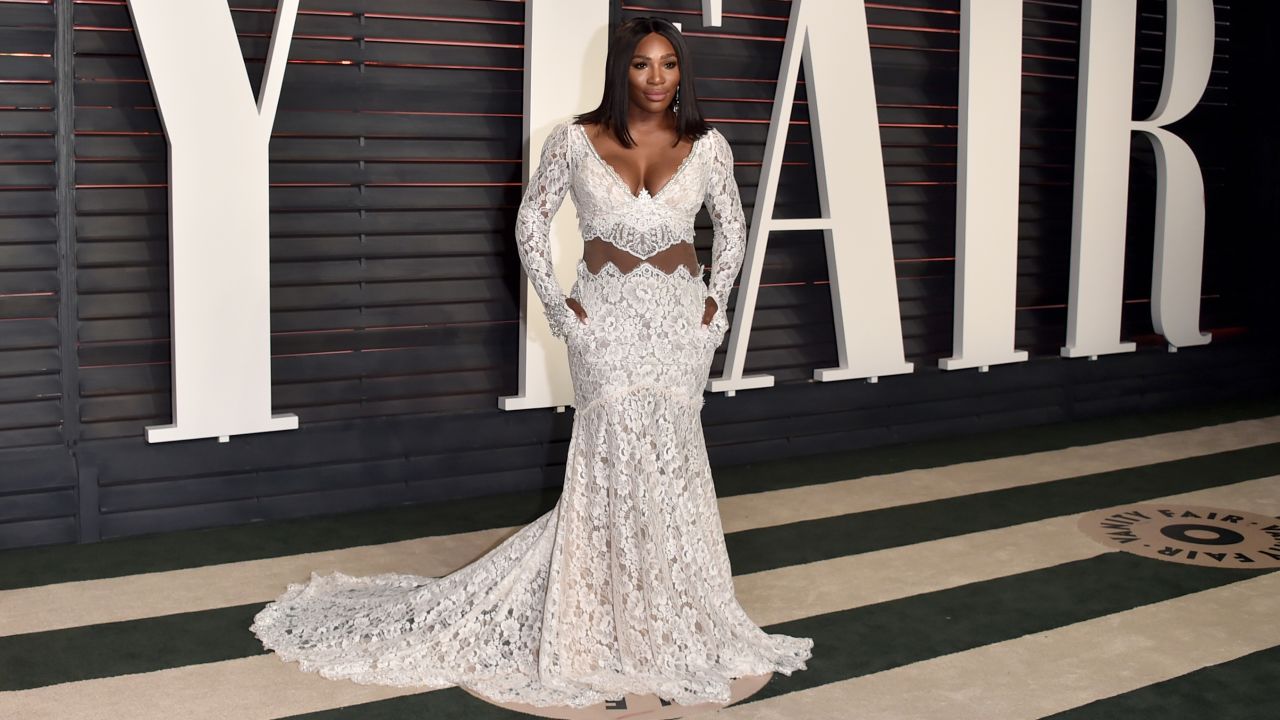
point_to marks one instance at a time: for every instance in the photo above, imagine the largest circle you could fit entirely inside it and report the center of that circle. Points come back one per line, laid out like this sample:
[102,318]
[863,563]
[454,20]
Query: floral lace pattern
[638,224]
[625,586]
[642,225]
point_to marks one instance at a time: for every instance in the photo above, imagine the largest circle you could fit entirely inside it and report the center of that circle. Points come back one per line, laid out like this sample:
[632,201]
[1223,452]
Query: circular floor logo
[1189,534]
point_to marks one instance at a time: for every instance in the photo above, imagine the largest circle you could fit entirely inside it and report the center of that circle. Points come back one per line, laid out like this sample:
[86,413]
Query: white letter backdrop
[218,138]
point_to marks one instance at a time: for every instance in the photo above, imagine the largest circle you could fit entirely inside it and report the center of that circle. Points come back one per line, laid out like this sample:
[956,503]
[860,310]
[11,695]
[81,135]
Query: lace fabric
[642,225]
[625,586]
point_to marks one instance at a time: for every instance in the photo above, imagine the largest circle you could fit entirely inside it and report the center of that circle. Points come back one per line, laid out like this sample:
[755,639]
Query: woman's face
[654,74]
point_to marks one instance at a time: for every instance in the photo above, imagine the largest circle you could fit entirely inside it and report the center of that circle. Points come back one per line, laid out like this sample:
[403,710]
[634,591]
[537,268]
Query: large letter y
[218,213]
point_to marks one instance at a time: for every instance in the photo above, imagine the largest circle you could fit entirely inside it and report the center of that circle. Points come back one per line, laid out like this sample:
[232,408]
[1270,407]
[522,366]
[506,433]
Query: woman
[625,586]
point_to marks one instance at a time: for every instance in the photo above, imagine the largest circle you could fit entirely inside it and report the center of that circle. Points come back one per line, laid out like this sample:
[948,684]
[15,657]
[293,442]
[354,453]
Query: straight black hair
[614,103]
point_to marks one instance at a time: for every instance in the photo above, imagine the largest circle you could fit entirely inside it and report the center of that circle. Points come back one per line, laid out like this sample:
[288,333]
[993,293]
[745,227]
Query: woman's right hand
[577,309]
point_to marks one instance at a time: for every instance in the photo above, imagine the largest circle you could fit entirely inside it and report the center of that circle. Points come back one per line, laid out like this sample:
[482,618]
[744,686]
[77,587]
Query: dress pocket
[714,331]
[577,327]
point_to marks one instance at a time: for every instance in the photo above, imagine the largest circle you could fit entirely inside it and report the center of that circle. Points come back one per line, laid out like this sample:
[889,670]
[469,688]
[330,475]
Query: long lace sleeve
[542,198]
[729,226]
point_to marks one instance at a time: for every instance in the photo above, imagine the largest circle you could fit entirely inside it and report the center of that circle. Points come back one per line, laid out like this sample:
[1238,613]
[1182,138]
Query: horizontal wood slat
[37,481]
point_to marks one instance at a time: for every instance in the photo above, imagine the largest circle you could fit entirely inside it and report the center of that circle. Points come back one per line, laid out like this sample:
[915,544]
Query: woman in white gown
[625,585]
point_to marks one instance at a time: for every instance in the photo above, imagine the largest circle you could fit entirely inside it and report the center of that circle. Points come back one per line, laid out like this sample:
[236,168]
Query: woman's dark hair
[612,111]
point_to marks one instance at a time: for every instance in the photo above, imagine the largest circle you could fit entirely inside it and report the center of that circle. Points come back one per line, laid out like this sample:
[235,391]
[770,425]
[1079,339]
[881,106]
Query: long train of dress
[623,587]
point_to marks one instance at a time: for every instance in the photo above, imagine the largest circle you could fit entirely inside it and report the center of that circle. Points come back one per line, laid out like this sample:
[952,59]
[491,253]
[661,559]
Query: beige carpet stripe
[263,687]
[130,597]
[51,607]
[811,502]
[1043,673]
[256,688]
[799,591]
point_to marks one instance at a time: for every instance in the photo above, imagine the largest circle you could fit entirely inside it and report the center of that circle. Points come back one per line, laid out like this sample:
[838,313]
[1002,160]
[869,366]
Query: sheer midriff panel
[598,251]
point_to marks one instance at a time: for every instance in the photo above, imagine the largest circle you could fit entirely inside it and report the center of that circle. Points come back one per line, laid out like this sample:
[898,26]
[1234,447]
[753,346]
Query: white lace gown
[625,585]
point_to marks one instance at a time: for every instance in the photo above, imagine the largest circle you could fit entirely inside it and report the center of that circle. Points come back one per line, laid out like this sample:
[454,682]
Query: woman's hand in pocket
[709,311]
[577,309]
[714,321]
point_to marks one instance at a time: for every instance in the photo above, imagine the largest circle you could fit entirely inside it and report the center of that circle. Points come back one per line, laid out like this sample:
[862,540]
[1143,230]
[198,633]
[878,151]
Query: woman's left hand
[709,312]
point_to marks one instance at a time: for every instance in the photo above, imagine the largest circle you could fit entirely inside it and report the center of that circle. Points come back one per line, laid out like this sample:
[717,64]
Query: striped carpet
[944,579]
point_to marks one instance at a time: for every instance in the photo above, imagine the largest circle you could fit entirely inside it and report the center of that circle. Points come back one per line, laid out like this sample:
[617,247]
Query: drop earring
[675,104]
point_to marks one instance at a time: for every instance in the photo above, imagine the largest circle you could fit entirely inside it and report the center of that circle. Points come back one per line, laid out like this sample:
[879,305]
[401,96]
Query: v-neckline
[643,190]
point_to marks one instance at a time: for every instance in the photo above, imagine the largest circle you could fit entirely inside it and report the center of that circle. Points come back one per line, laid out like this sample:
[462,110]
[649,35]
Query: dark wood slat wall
[395,171]
[29,290]
[37,477]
